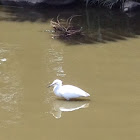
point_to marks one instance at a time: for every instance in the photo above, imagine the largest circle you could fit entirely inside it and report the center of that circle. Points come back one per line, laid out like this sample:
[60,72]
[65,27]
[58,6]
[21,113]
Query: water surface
[105,63]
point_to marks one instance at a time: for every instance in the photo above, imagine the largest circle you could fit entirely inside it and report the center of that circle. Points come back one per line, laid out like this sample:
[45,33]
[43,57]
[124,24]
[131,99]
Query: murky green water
[105,63]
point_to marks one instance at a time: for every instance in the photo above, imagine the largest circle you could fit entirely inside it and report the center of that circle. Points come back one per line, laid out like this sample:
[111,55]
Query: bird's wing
[69,89]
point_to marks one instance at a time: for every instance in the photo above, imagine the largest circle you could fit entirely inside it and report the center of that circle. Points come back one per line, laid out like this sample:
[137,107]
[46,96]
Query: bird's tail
[87,94]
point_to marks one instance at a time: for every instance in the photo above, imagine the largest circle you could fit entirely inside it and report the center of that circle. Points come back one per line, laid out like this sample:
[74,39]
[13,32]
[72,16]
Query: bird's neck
[56,90]
[56,87]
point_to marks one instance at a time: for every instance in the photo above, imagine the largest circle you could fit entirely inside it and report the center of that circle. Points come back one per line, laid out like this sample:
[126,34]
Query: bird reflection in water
[60,105]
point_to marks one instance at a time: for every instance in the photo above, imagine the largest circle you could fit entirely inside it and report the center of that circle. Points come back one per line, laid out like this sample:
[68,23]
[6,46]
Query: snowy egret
[67,91]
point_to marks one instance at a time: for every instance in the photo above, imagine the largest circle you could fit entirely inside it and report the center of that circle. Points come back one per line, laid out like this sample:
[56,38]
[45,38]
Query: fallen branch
[65,29]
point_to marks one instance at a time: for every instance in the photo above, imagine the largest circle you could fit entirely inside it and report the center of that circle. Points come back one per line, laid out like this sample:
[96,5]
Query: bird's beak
[50,85]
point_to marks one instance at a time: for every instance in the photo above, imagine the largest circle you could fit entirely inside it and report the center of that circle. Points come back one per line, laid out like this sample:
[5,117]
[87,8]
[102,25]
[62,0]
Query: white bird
[67,91]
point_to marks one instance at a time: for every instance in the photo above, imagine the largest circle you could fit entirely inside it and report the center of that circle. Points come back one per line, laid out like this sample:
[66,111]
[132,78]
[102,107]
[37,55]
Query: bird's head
[56,82]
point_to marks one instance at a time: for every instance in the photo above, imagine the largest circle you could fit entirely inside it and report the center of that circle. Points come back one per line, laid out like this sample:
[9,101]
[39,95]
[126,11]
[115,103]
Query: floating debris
[3,59]
[66,29]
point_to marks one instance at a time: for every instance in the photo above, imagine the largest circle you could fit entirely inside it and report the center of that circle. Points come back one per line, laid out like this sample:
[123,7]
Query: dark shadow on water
[98,26]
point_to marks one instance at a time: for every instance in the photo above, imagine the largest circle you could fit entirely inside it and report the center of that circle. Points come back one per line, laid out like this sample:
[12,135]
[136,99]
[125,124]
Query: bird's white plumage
[67,91]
